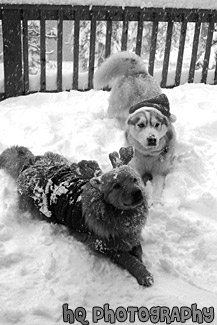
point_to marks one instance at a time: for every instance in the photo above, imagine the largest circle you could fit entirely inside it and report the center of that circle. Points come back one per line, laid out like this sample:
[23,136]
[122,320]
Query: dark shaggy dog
[105,211]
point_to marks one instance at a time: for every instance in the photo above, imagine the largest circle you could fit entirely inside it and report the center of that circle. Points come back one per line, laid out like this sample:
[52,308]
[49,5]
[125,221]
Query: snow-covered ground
[42,268]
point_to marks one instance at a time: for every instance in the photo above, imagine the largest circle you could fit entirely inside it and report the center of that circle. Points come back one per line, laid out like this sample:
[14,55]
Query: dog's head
[121,187]
[150,124]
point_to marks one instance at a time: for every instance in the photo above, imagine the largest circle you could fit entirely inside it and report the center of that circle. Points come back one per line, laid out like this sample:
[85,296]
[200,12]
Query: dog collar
[161,103]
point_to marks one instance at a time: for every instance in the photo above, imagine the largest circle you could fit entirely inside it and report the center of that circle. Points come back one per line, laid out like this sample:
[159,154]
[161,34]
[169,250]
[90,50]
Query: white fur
[142,134]
[118,65]
[126,73]
[143,109]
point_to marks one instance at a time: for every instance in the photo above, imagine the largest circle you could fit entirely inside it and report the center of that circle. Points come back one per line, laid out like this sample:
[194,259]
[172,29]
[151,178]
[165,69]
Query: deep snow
[42,267]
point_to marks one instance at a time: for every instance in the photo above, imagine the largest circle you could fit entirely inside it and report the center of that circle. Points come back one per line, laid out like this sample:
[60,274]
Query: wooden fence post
[76,48]
[92,50]
[12,49]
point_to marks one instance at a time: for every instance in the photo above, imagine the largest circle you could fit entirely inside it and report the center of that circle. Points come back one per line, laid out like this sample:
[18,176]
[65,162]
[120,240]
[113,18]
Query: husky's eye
[135,180]
[157,125]
[116,186]
[141,125]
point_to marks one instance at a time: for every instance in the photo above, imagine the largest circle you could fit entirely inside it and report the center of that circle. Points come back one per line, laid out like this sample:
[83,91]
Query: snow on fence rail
[101,30]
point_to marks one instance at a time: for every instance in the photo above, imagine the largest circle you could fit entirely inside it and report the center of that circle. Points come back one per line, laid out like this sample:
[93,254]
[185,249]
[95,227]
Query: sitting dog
[106,211]
[136,100]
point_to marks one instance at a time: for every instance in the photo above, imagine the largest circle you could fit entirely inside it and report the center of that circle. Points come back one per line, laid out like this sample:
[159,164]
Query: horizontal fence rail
[81,37]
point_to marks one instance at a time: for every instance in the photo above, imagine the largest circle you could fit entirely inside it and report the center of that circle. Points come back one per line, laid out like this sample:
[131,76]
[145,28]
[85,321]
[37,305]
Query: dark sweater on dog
[55,188]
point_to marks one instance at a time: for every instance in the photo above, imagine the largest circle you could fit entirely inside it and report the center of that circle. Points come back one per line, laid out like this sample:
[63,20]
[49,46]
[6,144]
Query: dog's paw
[86,169]
[146,280]
[126,154]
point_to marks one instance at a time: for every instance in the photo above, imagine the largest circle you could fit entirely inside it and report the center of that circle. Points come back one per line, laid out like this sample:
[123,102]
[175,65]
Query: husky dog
[137,101]
[105,211]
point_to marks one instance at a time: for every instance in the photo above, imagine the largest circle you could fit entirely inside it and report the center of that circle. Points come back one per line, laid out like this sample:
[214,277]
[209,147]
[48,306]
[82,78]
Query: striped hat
[161,103]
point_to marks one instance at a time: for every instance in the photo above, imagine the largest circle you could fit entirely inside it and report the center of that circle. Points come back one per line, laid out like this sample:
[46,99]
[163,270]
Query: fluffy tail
[118,65]
[13,160]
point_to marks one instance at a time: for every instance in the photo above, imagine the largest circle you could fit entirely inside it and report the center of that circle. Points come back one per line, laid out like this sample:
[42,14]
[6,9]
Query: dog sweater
[55,188]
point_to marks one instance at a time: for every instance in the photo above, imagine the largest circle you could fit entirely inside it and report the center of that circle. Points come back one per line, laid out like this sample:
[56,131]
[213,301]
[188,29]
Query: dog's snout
[152,141]
[137,195]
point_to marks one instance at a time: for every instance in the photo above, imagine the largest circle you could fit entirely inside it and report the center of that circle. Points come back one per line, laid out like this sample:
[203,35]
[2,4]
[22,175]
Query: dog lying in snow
[105,211]
[136,100]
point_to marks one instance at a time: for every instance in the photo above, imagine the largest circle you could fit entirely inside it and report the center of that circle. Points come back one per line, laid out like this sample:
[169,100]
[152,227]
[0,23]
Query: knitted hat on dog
[161,103]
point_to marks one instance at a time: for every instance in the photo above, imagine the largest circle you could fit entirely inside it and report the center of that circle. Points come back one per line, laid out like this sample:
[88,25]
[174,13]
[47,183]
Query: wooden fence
[15,23]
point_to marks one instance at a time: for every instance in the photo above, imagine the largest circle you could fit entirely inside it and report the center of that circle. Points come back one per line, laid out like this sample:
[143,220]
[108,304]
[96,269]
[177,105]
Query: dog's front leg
[158,186]
[125,260]
[137,252]
[134,266]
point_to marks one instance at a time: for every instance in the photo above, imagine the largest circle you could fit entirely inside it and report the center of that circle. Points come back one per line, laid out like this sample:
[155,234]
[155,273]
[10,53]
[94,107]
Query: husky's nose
[152,141]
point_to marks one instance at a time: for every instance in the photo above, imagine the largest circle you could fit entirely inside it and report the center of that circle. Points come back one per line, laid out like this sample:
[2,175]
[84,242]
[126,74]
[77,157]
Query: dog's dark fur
[105,211]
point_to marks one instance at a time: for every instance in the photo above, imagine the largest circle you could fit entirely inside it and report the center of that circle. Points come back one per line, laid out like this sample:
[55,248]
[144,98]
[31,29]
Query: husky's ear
[132,120]
[96,182]
[172,118]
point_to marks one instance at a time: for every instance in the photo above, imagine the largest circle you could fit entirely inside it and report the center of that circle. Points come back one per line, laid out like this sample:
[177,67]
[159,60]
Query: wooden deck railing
[15,38]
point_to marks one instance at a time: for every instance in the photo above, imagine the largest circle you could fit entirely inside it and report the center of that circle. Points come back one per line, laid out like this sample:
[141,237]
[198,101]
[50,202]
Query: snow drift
[43,268]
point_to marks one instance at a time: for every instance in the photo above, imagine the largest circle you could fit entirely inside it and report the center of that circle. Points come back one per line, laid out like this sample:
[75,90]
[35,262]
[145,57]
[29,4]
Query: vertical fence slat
[12,49]
[92,50]
[25,52]
[43,51]
[108,37]
[59,50]
[124,31]
[215,74]
[194,50]
[76,49]
[153,45]
[139,34]
[167,53]
[181,52]
[207,52]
